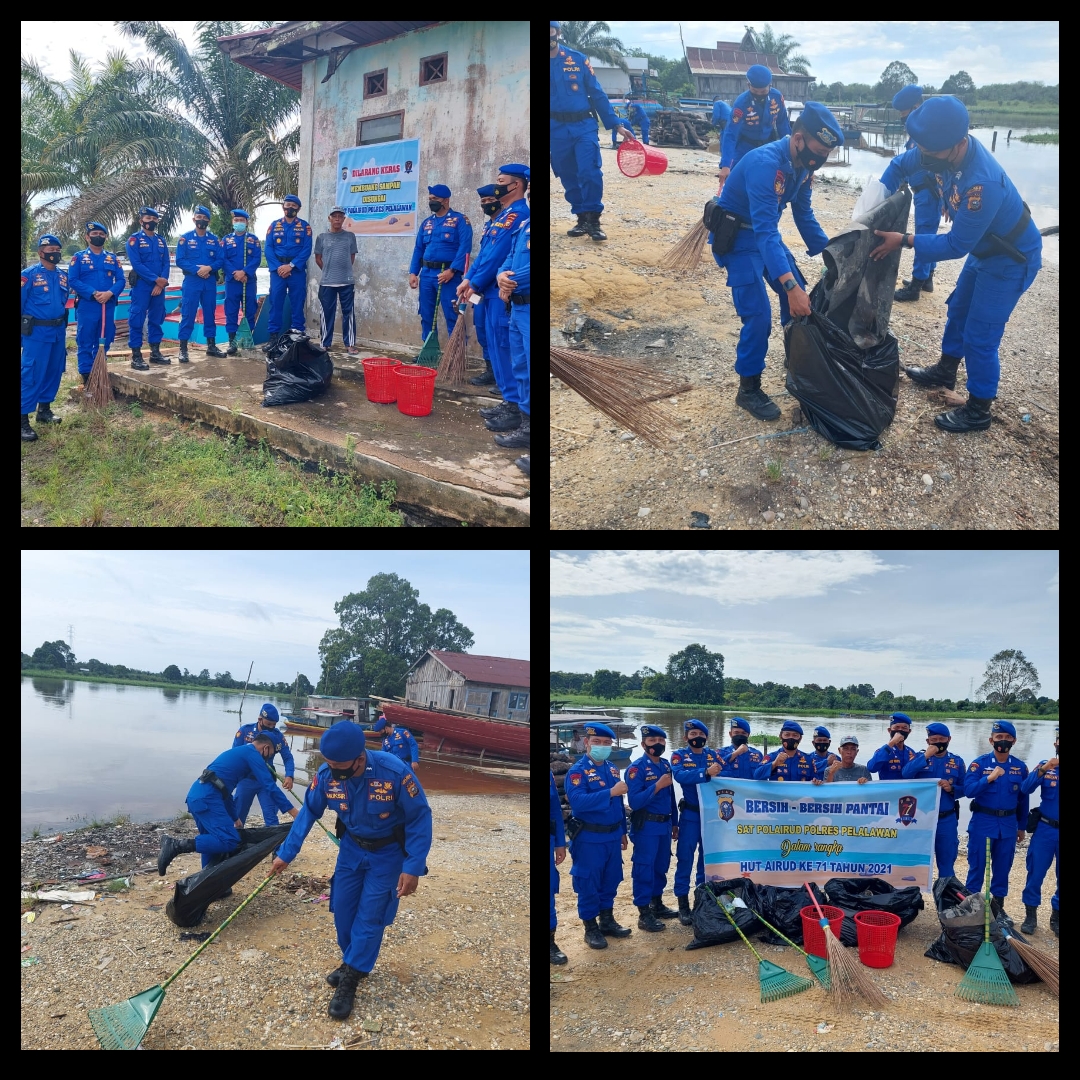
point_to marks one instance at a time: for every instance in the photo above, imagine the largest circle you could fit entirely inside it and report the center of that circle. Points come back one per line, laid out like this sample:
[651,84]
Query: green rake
[986,981]
[337,842]
[244,340]
[776,983]
[431,354]
[123,1026]
[818,965]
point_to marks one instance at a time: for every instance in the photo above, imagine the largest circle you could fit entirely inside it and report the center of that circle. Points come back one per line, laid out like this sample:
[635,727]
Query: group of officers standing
[998,784]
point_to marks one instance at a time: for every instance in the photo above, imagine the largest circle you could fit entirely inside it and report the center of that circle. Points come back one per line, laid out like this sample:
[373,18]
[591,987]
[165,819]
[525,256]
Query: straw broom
[620,389]
[819,968]
[847,976]
[99,391]
[686,254]
[452,369]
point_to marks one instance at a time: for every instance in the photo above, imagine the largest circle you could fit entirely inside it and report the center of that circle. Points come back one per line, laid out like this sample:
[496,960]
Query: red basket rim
[811,912]
[877,918]
[416,369]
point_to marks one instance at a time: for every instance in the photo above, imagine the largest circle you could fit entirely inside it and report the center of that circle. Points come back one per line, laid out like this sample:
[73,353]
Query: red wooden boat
[454,732]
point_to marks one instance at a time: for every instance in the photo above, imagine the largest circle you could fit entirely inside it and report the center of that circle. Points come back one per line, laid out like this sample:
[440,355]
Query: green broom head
[431,354]
[776,983]
[122,1027]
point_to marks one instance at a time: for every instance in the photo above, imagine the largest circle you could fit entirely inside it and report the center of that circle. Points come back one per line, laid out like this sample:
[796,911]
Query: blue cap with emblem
[515,170]
[822,731]
[292,198]
[441,190]
[1003,727]
[652,729]
[939,123]
[690,724]
[938,729]
[487,191]
[201,210]
[741,724]
[899,718]
[555,24]
[820,124]
[790,725]
[240,213]
[907,98]
[95,225]
[48,238]
[758,75]
[343,742]
[593,729]
[148,211]
[269,712]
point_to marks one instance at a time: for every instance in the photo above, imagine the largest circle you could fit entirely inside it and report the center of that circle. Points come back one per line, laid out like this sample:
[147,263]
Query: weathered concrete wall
[467,126]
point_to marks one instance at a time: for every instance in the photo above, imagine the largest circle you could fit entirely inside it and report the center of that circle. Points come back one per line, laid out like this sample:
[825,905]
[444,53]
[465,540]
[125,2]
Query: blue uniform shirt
[689,767]
[889,761]
[371,805]
[574,88]
[44,295]
[495,246]
[1050,787]
[558,833]
[402,745]
[800,767]
[90,273]
[240,253]
[446,239]
[745,766]
[721,113]
[234,765]
[1005,793]
[758,189]
[287,243]
[193,251]
[248,732]
[821,763]
[978,197]
[588,787]
[637,113]
[641,780]
[149,255]
[517,258]
[752,123]
[940,767]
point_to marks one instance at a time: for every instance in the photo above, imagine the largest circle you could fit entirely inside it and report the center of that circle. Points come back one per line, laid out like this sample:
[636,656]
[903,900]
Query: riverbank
[82,677]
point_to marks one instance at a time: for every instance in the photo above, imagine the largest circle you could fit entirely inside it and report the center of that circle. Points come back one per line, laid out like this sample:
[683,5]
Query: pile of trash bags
[778,906]
[297,369]
[852,895]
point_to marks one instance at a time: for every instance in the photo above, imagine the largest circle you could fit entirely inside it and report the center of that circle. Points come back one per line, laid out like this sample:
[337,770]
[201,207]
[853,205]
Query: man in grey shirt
[845,768]
[335,252]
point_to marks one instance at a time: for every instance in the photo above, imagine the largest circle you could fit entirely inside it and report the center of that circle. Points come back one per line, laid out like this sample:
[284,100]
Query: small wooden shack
[325,703]
[483,685]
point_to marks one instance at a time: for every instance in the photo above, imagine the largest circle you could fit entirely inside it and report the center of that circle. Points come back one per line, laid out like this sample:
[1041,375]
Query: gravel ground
[618,302]
[645,992]
[452,973]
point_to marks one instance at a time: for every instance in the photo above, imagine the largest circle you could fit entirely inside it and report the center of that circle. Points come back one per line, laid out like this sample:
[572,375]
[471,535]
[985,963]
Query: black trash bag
[297,369]
[960,939]
[194,894]
[849,894]
[711,926]
[782,908]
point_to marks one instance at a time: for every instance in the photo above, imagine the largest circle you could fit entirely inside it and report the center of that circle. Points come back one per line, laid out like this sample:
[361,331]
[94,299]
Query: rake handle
[736,925]
[777,932]
[986,920]
[337,842]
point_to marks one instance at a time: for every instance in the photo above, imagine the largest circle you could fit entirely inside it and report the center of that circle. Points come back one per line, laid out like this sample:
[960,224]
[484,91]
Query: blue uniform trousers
[479,318]
[1002,850]
[979,307]
[519,352]
[689,841]
[1042,850]
[429,286]
[217,833]
[947,844]
[234,299]
[927,220]
[329,295]
[575,160]
[43,362]
[88,334]
[649,864]
[498,339]
[245,793]
[198,293]
[554,884]
[294,286]
[143,305]
[630,124]
[746,277]
[596,873]
[363,900]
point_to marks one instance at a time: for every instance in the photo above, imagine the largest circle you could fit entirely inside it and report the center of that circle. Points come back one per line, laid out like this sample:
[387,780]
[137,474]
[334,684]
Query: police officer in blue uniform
[577,99]
[889,760]
[636,114]
[96,278]
[212,806]
[936,763]
[271,803]
[789,762]
[288,248]
[924,189]
[402,745]
[149,257]
[758,116]
[241,254]
[999,809]
[513,281]
[44,321]
[489,207]
[654,821]
[740,760]
[1043,847]
[822,758]
[440,257]
[199,255]
[597,831]
[384,824]
[749,245]
[691,768]
[558,854]
[721,114]
[992,226]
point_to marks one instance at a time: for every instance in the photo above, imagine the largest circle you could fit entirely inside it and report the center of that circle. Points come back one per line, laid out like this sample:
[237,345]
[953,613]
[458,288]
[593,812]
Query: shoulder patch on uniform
[467,221]
[410,785]
[24,280]
[405,732]
[575,778]
[781,96]
[132,241]
[632,773]
[309,230]
[675,759]
[778,183]
[974,197]
[239,733]
[180,241]
[974,767]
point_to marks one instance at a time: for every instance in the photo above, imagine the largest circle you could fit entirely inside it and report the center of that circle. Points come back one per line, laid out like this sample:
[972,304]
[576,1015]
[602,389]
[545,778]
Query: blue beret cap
[822,731]
[555,24]
[758,75]
[597,729]
[938,729]
[149,210]
[900,718]
[939,123]
[293,198]
[201,210]
[441,190]
[652,729]
[740,723]
[240,213]
[95,225]
[487,191]
[907,98]
[1003,727]
[790,725]
[695,724]
[515,170]
[48,238]
[271,713]
[822,125]
[343,742]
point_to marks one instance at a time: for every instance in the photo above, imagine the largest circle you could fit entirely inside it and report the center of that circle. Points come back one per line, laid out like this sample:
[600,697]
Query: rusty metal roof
[729,61]
[497,670]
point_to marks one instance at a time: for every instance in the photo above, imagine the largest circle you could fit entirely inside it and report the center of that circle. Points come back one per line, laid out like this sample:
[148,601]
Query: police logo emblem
[737,115]
[826,136]
[778,183]
[907,809]
[974,198]
[725,803]
[575,779]
[632,773]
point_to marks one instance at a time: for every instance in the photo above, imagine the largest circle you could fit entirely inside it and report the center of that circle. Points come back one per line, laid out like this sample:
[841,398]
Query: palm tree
[782,47]
[594,39]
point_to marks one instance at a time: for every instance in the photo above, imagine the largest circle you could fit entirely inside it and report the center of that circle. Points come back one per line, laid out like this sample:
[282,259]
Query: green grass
[121,468]
[83,677]
[1045,137]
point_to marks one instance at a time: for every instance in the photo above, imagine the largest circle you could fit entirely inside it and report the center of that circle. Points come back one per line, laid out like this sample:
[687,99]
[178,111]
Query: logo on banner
[907,809]
[725,799]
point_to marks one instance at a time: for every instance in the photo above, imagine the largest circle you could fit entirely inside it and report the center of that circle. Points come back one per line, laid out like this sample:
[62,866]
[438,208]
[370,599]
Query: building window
[477,700]
[432,69]
[375,84]
[518,702]
[377,129]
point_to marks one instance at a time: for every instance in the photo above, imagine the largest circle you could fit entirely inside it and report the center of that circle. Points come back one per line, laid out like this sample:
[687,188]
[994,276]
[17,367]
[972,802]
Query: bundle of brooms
[686,254]
[452,369]
[621,389]
[98,392]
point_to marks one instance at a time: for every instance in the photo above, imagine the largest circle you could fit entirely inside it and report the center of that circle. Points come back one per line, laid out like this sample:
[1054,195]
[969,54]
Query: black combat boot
[495,410]
[754,400]
[593,938]
[137,361]
[507,420]
[183,357]
[592,226]
[486,377]
[341,1004]
[684,911]
[1054,921]
[660,911]
[1000,901]
[170,848]
[519,437]
[610,928]
[523,464]
[85,377]
[335,976]
[45,414]
[28,433]
[943,373]
[232,350]
[647,920]
[912,289]
[1031,921]
[212,349]
[580,228]
[928,284]
[973,415]
[557,955]
[156,356]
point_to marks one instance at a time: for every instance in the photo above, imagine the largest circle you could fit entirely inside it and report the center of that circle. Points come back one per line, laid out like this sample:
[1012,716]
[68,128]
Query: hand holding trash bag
[891,241]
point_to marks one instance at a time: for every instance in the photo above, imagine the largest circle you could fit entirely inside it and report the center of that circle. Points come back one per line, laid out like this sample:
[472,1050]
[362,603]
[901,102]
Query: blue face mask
[239,226]
[599,753]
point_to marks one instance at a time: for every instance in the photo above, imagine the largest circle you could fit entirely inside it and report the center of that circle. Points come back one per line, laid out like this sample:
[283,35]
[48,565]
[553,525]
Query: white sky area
[927,619]
[222,609]
[849,52]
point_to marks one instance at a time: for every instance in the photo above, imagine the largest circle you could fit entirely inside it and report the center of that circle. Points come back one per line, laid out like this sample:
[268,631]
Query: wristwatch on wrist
[790,284]
[909,239]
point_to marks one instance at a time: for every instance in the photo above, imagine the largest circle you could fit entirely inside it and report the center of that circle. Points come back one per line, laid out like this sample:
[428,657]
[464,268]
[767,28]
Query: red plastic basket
[635,158]
[813,934]
[379,383]
[877,937]
[415,388]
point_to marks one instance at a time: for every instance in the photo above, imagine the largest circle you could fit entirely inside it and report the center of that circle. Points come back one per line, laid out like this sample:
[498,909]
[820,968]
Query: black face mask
[344,774]
[1003,747]
[935,163]
[435,205]
[937,747]
[656,749]
[51,256]
[97,241]
[808,159]
[149,226]
[491,209]
[790,744]
[822,747]
[739,740]
[697,744]
[902,734]
[290,211]
[502,189]
[201,224]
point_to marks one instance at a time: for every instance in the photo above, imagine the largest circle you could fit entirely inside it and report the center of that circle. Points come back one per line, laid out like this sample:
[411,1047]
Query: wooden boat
[568,735]
[461,732]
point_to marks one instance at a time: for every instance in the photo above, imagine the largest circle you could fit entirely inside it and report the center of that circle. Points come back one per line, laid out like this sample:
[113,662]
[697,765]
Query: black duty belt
[439,266]
[1047,821]
[588,826]
[213,780]
[977,809]
[375,845]
[949,813]
[515,299]
[569,117]
[657,817]
[692,807]
[50,322]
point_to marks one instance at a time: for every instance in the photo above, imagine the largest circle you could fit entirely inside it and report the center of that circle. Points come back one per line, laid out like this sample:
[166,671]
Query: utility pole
[71,635]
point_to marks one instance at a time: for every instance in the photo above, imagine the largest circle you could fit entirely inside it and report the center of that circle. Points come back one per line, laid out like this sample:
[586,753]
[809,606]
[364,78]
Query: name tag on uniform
[335,794]
[380,791]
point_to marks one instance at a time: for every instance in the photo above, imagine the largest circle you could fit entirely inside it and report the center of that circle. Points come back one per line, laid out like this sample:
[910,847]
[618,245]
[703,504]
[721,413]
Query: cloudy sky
[222,609]
[929,620]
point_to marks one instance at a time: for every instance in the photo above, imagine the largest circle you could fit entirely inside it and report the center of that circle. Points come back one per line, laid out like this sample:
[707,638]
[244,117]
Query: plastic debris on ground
[297,369]
[822,1028]
[58,896]
[196,937]
[30,961]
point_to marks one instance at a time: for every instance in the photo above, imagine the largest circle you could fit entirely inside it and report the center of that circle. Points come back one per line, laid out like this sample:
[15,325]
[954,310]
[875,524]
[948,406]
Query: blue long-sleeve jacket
[446,239]
[248,732]
[947,766]
[762,183]
[240,253]
[149,255]
[889,761]
[690,768]
[90,273]
[371,805]
[799,767]
[752,123]
[287,243]
[234,765]
[641,779]
[745,766]
[574,88]
[1051,789]
[588,787]
[721,113]
[44,295]
[558,833]
[401,744]
[517,258]
[495,246]
[193,251]
[1004,793]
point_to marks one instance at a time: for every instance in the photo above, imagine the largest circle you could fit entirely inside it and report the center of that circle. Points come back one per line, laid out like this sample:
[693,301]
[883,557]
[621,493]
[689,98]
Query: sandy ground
[645,992]
[619,303]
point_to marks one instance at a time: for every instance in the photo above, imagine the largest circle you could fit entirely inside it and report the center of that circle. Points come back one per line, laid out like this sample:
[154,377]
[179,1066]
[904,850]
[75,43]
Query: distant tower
[71,635]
